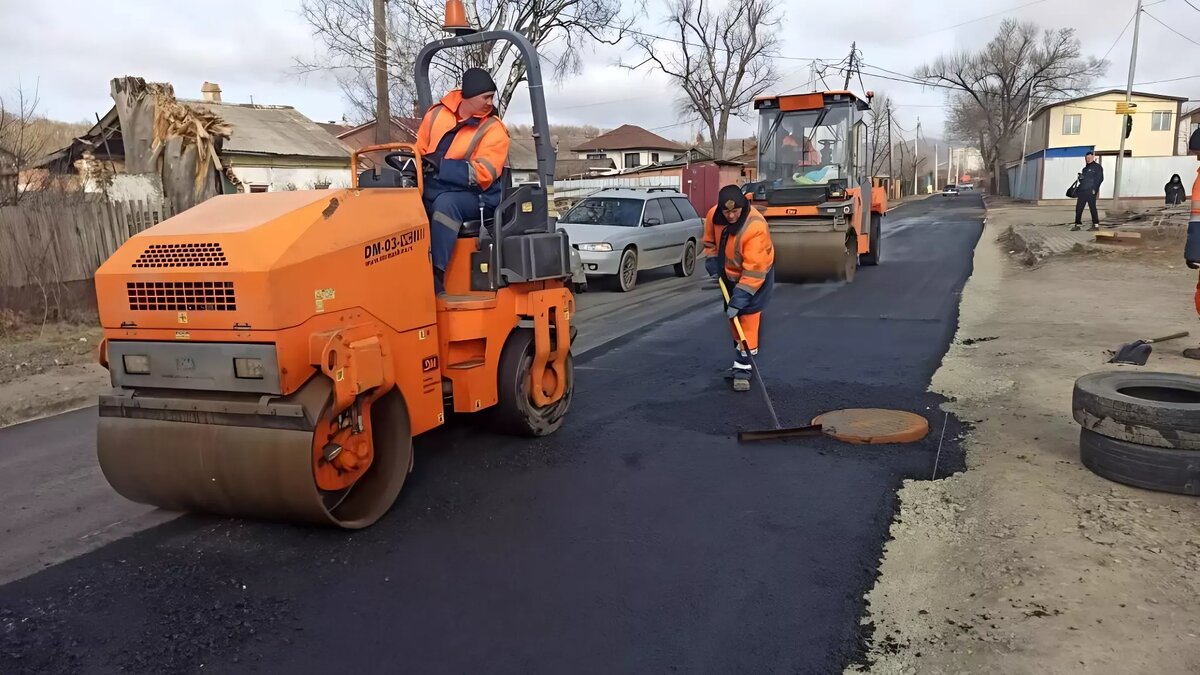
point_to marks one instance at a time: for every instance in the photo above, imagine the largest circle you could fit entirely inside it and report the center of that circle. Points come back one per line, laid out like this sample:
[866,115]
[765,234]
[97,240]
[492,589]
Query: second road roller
[815,186]
[273,355]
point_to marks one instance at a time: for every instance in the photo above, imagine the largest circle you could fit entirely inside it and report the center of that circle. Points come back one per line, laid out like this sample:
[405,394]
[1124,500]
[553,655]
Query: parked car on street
[621,231]
[950,191]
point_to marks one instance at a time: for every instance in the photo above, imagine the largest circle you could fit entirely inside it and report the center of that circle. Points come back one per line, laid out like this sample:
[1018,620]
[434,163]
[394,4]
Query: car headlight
[248,369]
[136,364]
[596,248]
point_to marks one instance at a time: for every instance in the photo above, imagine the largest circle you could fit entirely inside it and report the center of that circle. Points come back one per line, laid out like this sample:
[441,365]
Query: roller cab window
[806,147]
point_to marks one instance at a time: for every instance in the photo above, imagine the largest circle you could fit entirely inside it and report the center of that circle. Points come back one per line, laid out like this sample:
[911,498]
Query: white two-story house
[629,147]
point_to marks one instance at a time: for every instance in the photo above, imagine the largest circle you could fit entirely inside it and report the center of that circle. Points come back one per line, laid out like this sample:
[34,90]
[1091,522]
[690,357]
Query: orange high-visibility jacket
[749,254]
[480,147]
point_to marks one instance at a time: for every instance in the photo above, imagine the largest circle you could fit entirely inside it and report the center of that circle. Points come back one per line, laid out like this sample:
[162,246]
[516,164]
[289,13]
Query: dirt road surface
[640,538]
[1029,563]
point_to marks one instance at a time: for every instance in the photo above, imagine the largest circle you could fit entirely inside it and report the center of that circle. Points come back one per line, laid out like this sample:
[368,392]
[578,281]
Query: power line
[1189,4]
[1170,29]
[1114,44]
[982,18]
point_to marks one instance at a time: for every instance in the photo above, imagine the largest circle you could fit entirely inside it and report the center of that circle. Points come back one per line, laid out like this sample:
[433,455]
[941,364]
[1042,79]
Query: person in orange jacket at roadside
[1191,250]
[738,245]
[466,144]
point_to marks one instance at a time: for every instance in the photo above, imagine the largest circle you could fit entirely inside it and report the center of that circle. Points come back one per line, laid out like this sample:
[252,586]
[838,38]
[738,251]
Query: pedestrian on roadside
[738,247]
[1176,195]
[1191,250]
[1089,181]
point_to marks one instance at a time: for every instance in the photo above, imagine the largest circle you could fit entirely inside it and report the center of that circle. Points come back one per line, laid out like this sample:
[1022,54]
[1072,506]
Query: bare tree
[559,29]
[24,138]
[721,58]
[995,85]
[878,119]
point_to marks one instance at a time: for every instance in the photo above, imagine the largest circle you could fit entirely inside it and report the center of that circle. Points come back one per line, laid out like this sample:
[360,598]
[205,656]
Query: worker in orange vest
[738,245]
[1191,251]
[466,144]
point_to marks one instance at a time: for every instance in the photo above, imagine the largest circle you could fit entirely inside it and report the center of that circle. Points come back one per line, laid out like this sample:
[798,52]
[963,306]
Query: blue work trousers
[448,210]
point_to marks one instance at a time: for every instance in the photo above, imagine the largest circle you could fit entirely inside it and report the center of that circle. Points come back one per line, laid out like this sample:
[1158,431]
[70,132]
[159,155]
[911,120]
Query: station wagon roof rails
[663,189]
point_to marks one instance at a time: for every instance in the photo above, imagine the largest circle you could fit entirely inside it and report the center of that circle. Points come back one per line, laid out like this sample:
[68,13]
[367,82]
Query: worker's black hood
[731,197]
[1175,180]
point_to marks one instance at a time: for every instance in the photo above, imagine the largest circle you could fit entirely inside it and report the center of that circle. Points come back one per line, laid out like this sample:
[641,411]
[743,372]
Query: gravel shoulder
[47,370]
[1028,562]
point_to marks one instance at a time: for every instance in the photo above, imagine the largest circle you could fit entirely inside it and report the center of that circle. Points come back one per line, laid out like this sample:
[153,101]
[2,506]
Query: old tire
[627,271]
[1160,469]
[515,413]
[687,265]
[872,257]
[1154,409]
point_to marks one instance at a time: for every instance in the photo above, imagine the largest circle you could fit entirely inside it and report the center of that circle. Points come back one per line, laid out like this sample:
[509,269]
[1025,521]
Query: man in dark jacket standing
[1089,188]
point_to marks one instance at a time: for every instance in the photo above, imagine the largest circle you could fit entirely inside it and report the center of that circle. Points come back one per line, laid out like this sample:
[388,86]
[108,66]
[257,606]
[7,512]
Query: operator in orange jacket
[466,145]
[1191,251]
[738,247]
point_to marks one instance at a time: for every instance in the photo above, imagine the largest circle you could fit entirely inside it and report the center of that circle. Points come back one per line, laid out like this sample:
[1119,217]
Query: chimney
[211,92]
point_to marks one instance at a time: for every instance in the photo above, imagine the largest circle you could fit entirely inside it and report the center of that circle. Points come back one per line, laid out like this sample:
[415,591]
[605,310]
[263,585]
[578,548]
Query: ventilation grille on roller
[182,296]
[182,255]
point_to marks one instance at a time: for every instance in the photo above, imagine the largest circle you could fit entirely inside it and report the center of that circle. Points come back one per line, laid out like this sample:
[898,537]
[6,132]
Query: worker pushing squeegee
[740,254]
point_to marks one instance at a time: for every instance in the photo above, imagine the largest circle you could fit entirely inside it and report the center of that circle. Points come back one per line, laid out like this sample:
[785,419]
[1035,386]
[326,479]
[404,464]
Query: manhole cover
[873,425]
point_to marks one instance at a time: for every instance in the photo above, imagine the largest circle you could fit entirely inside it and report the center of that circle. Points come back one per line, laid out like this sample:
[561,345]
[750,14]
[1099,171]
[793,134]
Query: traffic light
[1128,125]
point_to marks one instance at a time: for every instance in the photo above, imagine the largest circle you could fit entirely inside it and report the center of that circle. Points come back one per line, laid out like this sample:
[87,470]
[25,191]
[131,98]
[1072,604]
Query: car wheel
[687,266]
[627,271]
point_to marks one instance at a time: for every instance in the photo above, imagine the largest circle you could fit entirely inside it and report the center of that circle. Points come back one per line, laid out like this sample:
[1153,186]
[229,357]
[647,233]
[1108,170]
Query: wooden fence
[62,238]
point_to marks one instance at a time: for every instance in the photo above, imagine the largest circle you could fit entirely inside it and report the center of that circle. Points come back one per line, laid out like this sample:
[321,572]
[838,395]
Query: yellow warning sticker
[321,295]
[341,374]
[182,335]
[182,317]
[526,207]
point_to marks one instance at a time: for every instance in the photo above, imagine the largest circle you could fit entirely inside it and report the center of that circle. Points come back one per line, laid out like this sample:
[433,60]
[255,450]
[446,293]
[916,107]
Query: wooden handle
[1173,336]
[736,324]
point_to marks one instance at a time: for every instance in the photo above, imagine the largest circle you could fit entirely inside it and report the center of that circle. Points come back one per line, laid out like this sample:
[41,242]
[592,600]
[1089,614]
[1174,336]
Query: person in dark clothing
[1090,180]
[1176,193]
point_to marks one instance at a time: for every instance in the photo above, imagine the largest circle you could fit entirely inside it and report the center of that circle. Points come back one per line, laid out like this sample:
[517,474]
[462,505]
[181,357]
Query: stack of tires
[1141,429]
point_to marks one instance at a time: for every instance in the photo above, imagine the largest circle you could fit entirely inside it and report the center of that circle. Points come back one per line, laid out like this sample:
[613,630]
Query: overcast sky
[70,49]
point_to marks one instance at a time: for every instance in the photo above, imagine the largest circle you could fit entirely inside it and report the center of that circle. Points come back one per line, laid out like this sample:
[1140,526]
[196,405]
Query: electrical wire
[982,18]
[1189,4]
[1170,29]
[1122,34]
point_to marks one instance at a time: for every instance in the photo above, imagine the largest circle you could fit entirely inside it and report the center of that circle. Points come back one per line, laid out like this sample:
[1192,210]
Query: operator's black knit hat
[476,81]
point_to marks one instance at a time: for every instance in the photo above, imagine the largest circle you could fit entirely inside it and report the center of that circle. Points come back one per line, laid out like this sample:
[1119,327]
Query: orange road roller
[273,355]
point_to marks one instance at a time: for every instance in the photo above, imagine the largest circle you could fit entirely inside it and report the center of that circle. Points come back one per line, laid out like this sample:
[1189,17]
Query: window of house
[1160,121]
[654,158]
[258,188]
[633,160]
[1071,125]
[597,155]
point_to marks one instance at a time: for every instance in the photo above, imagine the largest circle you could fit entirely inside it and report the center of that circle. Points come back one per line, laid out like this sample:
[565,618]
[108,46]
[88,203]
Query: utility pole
[1025,143]
[383,115]
[891,166]
[916,155]
[850,68]
[1137,24]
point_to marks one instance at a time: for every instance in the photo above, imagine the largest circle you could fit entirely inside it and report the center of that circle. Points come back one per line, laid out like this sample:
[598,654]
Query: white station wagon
[621,231]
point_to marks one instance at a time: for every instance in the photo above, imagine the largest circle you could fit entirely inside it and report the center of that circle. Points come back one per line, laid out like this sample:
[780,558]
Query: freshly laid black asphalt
[641,538]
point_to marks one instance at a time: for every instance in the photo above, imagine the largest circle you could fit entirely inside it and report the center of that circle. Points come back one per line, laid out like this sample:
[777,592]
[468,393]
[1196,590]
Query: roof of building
[407,126]
[628,137]
[335,128]
[680,163]
[568,168]
[273,130]
[1107,92]
[522,155]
